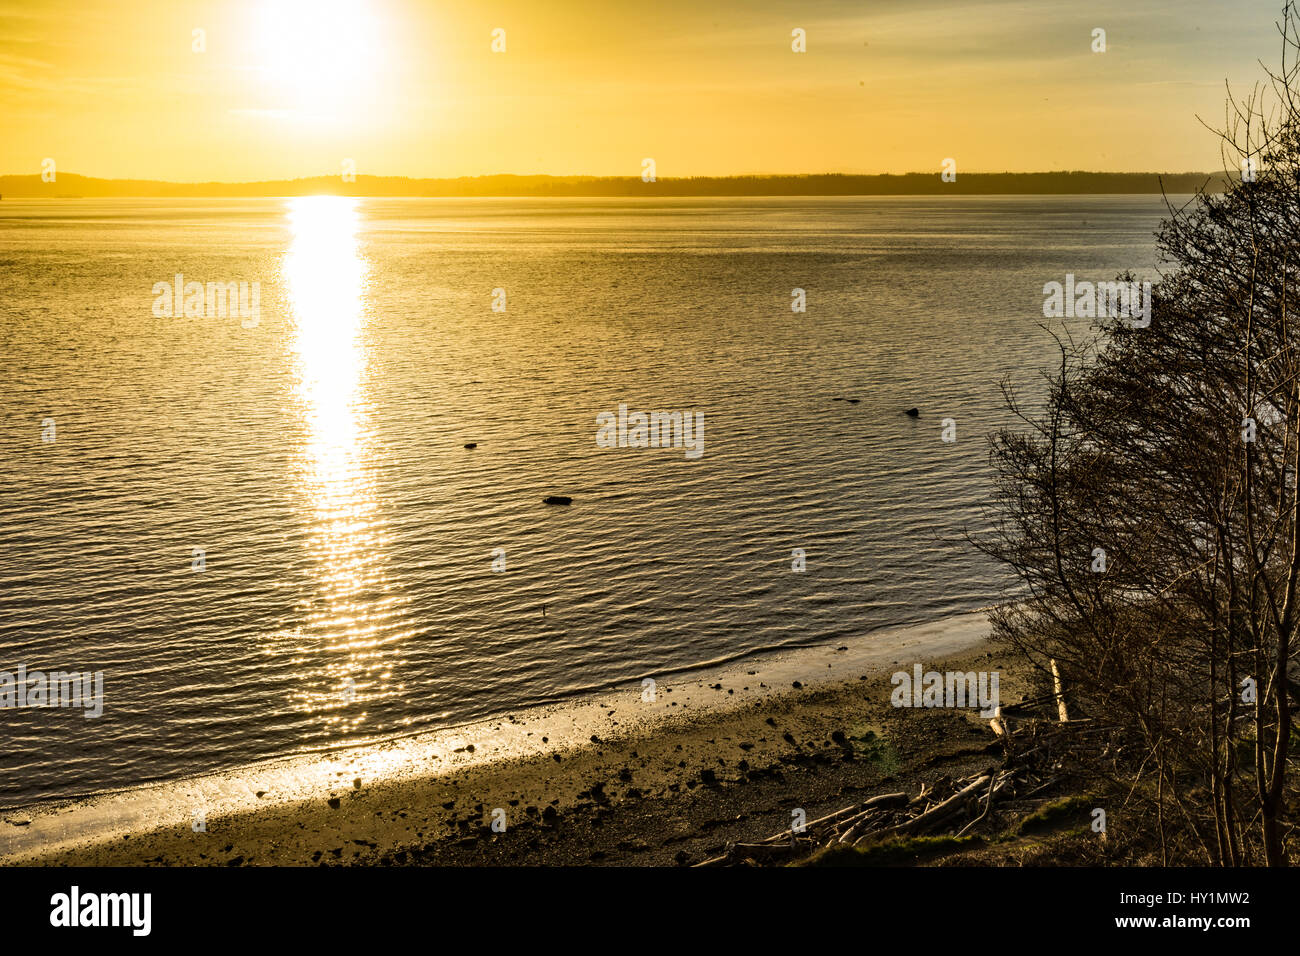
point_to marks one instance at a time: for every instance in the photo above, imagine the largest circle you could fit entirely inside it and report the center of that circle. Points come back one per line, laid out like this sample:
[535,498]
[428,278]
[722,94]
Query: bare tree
[1150,512]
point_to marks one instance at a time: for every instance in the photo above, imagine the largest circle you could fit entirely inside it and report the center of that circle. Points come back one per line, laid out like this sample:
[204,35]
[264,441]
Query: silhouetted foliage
[1175,449]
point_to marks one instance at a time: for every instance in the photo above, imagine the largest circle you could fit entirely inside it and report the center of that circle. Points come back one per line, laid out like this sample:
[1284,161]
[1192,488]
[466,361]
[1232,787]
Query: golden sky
[289,88]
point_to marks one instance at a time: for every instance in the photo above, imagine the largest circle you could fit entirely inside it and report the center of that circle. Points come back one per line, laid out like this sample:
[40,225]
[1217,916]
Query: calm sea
[343,587]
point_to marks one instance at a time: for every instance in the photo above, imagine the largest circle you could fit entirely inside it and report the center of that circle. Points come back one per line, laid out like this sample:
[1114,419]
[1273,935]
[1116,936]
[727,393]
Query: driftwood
[883,800]
[764,851]
[1034,746]
[998,724]
[942,811]
[871,819]
[996,785]
[1059,690]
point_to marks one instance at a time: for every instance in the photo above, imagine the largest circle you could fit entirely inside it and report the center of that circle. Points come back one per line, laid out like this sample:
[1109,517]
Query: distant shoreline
[521,187]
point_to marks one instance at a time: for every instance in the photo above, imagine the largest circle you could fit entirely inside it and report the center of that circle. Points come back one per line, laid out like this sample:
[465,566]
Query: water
[317,459]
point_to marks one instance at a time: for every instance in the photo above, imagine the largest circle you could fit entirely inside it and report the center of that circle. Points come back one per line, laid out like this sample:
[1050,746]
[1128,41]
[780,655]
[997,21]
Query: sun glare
[320,57]
[326,277]
[340,648]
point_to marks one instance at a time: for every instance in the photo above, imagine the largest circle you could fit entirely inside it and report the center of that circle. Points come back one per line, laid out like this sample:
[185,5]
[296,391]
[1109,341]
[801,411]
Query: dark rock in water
[558,500]
[333,803]
[913,413]
[471,444]
[853,401]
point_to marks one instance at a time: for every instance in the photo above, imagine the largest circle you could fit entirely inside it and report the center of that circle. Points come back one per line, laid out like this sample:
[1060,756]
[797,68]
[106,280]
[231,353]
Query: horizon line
[591,177]
[546,185]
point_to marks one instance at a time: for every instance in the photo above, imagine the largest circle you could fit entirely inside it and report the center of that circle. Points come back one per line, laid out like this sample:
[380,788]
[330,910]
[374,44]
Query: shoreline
[294,811]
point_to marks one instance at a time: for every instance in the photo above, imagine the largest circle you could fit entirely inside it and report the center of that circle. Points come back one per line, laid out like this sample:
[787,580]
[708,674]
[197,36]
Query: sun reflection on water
[339,643]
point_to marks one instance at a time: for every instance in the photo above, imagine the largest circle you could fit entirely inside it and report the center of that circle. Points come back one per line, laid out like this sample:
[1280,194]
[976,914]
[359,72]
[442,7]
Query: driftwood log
[1033,744]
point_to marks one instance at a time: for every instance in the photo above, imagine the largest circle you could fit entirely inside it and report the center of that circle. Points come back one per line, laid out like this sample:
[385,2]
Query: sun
[320,57]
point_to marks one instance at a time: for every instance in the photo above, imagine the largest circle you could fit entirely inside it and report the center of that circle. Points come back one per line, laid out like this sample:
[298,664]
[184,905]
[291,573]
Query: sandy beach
[719,754]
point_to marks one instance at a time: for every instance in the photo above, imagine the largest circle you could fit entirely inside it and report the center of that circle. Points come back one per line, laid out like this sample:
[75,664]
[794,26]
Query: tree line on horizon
[71,185]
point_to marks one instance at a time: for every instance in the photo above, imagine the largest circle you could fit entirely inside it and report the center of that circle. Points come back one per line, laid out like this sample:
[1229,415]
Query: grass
[1074,812]
[897,851]
[874,749]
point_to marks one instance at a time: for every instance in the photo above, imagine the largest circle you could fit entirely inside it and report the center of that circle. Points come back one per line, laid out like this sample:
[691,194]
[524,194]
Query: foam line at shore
[28,833]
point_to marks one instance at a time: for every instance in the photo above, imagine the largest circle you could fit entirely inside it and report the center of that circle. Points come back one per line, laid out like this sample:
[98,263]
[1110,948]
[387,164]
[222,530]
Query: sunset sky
[289,88]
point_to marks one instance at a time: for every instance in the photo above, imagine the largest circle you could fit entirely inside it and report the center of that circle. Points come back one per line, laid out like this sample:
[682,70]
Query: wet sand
[719,754]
